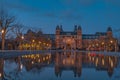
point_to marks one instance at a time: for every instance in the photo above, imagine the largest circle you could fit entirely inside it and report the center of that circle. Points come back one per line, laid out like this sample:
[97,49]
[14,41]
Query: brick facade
[76,40]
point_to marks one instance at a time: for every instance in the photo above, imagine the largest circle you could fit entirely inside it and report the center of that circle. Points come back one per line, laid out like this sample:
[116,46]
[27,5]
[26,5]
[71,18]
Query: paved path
[10,53]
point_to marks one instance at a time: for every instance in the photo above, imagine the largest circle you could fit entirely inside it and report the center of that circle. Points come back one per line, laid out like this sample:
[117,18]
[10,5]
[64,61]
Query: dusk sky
[92,15]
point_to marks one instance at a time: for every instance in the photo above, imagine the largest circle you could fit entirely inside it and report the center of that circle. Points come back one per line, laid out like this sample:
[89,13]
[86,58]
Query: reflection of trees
[12,74]
[73,61]
[16,72]
[36,62]
[1,68]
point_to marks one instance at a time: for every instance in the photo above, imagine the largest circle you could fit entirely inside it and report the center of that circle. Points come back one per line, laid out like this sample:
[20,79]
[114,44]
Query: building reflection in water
[68,61]
[63,61]
[75,61]
[28,61]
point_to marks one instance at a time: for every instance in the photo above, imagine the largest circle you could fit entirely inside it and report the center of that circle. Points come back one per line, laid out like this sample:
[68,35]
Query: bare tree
[6,24]
[18,30]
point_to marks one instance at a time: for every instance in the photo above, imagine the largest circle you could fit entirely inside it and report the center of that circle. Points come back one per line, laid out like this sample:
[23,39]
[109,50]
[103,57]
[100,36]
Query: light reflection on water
[61,66]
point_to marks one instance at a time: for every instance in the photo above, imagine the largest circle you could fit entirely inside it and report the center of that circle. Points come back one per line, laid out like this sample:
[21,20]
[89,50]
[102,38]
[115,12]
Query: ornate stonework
[76,40]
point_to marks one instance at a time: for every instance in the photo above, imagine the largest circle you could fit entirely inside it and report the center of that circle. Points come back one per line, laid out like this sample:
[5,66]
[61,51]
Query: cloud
[51,15]
[70,15]
[113,2]
[87,2]
[19,6]
[67,15]
[81,2]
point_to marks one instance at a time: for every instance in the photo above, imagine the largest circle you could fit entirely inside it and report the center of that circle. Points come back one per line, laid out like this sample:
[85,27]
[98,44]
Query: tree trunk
[3,41]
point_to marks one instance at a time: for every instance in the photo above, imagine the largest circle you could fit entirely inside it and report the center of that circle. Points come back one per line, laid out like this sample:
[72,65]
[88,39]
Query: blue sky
[92,15]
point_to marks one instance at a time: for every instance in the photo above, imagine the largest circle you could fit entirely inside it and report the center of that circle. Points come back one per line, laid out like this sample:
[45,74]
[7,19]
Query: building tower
[57,41]
[109,32]
[75,29]
[79,38]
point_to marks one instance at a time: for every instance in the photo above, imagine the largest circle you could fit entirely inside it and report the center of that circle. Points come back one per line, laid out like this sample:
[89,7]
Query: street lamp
[116,45]
[39,42]
[111,41]
[3,38]
[2,31]
[102,43]
[21,42]
[22,37]
[33,40]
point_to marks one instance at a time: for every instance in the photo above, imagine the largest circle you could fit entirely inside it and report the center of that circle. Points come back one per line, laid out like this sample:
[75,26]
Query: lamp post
[21,41]
[116,46]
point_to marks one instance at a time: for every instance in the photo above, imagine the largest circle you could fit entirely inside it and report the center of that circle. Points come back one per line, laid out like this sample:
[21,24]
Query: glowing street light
[39,42]
[33,40]
[22,37]
[2,31]
[0,74]
[111,41]
[102,43]
[3,38]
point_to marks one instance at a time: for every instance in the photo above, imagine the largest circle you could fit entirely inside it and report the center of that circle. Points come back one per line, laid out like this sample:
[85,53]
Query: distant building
[34,40]
[76,40]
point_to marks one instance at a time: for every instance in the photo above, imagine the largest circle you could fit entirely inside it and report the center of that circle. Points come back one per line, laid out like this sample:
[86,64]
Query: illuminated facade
[77,40]
[34,41]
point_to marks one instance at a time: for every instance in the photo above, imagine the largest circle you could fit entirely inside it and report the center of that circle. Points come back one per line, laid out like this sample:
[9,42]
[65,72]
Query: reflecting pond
[61,66]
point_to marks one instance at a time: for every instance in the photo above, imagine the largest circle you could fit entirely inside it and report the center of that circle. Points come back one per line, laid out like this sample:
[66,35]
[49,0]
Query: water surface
[61,66]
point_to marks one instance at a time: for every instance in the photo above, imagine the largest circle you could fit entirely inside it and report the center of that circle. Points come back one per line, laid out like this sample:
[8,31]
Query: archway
[69,43]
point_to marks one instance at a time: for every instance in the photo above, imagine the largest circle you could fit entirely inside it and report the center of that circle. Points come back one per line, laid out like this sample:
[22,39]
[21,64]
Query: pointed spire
[109,29]
[75,28]
[61,28]
[79,27]
[57,27]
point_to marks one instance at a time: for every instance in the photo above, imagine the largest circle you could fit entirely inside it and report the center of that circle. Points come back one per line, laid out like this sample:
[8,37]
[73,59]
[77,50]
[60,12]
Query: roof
[51,36]
[101,33]
[68,33]
[89,36]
